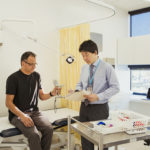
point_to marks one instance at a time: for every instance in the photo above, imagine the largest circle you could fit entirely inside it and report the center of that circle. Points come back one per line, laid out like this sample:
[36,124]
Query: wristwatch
[51,94]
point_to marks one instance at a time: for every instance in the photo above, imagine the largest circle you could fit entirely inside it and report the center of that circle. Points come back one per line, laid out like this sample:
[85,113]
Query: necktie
[91,74]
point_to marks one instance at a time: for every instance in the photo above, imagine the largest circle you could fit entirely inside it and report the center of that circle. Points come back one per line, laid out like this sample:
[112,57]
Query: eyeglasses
[30,64]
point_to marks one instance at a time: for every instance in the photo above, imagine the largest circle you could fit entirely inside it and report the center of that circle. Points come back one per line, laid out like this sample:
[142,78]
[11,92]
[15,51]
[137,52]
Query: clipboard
[77,96]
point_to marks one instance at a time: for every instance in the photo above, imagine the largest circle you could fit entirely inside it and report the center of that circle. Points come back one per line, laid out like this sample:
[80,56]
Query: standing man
[100,80]
[22,90]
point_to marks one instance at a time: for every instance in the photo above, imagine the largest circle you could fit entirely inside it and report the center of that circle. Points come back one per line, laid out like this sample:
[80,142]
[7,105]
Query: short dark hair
[26,55]
[88,46]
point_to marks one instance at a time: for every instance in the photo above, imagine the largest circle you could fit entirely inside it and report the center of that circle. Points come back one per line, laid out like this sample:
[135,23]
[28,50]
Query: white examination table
[11,137]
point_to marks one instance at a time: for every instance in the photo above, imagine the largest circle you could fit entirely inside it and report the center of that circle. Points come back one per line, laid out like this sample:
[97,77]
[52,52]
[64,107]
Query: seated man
[22,90]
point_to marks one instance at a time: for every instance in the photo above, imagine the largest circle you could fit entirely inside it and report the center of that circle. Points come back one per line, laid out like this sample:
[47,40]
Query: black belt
[83,102]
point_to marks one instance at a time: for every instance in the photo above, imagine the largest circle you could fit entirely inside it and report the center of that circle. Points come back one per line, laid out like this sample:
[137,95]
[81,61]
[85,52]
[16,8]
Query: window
[140,79]
[140,22]
[140,75]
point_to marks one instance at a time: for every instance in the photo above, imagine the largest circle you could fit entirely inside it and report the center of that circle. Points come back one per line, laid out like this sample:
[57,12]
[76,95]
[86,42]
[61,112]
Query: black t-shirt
[26,90]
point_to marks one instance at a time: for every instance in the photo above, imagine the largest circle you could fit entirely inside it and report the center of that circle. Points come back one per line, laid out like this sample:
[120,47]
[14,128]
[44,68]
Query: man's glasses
[30,64]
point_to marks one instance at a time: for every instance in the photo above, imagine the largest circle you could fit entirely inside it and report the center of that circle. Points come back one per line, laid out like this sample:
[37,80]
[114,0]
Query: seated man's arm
[43,96]
[27,121]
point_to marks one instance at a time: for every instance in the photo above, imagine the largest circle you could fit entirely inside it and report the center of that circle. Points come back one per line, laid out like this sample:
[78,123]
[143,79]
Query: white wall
[113,29]
[133,50]
[47,17]
[13,35]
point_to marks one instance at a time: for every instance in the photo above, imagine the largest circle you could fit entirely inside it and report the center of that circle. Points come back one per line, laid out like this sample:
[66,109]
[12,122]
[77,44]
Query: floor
[131,146]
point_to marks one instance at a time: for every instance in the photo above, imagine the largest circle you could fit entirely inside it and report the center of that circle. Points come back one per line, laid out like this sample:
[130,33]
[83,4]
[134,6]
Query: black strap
[147,142]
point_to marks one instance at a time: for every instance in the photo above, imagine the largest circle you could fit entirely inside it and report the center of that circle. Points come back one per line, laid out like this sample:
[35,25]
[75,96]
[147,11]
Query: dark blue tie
[91,74]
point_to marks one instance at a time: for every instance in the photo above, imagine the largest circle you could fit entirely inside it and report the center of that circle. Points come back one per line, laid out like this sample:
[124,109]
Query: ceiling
[63,13]
[129,5]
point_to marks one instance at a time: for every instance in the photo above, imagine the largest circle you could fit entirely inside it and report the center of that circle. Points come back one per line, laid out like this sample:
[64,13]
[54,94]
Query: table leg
[69,134]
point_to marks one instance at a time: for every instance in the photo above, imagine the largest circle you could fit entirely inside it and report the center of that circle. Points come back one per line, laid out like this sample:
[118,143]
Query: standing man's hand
[91,97]
[70,91]
[26,120]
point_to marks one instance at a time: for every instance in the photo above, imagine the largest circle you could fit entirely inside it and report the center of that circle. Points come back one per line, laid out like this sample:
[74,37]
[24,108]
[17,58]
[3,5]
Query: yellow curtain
[70,39]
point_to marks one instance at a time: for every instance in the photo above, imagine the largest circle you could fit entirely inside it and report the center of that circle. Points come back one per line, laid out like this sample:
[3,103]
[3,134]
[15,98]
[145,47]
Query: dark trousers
[41,124]
[92,112]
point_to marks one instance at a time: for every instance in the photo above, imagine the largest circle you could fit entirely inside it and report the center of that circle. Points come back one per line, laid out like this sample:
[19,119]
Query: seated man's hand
[56,91]
[26,120]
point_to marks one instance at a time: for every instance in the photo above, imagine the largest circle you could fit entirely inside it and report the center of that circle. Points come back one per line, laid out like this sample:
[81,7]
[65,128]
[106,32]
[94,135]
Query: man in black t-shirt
[22,90]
